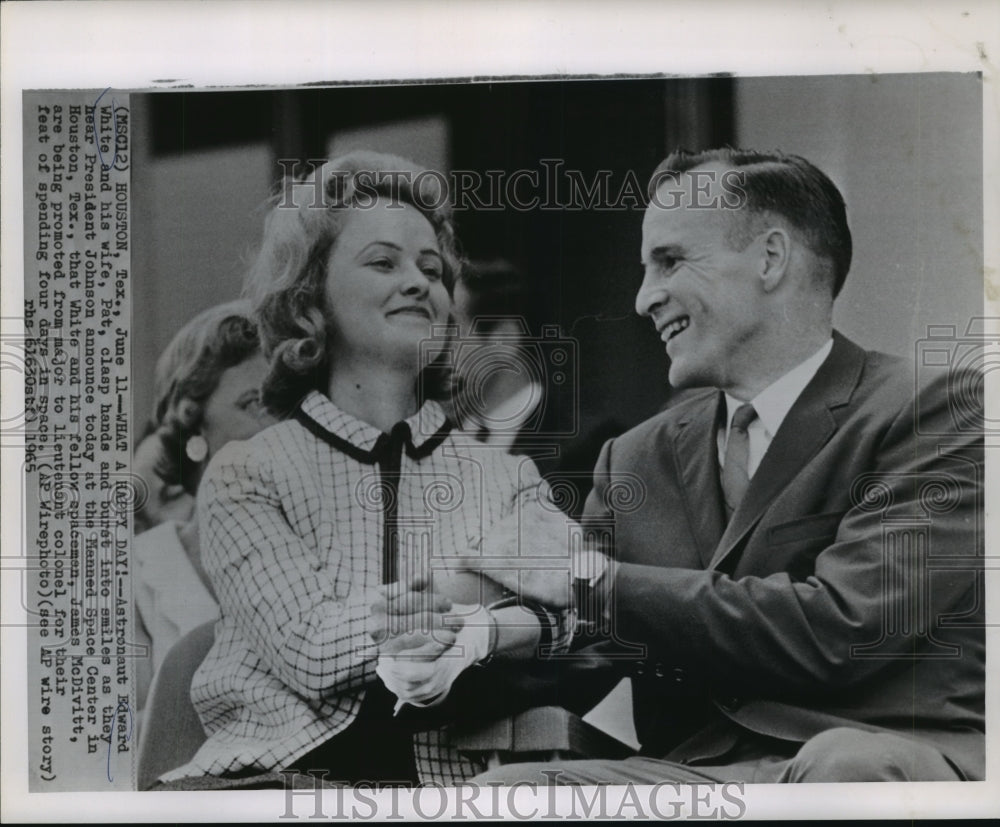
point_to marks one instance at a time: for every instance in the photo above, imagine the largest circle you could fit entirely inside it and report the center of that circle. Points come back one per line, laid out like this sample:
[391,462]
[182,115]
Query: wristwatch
[589,570]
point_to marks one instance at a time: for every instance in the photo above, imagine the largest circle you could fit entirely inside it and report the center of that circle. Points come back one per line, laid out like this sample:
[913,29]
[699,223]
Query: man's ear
[776,254]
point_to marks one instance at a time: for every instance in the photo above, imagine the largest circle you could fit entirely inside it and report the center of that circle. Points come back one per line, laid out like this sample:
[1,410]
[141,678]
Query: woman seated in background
[207,392]
[307,526]
[158,502]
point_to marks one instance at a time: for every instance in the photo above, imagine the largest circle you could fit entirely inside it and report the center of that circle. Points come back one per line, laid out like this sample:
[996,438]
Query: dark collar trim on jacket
[371,457]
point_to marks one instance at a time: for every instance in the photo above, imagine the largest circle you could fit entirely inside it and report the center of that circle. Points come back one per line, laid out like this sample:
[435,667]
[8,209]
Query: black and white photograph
[506,444]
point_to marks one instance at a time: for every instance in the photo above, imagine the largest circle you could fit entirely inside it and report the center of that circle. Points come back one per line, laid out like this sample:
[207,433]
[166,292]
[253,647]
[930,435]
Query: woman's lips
[413,310]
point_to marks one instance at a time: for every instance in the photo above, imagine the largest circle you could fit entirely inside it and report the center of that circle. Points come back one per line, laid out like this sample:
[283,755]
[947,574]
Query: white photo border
[149,45]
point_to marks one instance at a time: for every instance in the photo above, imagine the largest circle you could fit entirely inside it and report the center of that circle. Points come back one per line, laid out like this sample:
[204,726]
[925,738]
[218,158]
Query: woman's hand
[423,676]
[416,677]
[406,618]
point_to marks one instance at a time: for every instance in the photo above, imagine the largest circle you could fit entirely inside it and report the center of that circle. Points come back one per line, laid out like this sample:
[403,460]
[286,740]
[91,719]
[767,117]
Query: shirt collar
[424,424]
[775,401]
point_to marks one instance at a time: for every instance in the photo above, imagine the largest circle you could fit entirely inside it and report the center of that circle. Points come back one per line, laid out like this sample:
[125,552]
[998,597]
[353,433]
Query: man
[801,573]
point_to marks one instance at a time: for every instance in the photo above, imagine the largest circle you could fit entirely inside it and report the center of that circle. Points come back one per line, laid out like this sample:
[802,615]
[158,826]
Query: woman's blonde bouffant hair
[286,282]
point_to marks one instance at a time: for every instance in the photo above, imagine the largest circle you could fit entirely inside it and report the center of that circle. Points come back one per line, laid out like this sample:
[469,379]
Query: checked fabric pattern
[292,537]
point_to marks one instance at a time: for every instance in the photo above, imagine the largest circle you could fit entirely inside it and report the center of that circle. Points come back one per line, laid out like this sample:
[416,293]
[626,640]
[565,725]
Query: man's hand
[407,618]
[533,578]
[528,553]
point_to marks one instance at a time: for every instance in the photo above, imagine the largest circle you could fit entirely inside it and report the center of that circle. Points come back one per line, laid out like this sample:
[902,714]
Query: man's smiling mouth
[678,325]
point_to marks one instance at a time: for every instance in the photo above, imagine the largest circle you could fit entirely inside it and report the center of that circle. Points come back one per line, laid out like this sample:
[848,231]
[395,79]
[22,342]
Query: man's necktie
[735,477]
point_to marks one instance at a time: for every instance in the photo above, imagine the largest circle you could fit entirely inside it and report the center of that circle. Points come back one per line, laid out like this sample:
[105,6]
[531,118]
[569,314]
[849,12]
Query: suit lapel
[808,427]
[696,450]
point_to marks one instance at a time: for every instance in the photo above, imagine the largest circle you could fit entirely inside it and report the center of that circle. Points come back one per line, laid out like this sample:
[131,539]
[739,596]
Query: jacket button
[678,675]
[658,671]
[640,668]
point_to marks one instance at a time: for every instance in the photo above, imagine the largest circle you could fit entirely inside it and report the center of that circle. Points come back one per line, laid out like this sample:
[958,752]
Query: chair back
[171,731]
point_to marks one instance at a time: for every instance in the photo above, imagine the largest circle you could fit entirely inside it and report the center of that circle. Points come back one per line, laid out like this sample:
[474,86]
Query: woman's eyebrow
[371,244]
[427,251]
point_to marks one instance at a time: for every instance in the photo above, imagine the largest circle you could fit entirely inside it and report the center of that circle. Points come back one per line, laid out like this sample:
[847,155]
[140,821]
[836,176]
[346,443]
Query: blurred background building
[906,151]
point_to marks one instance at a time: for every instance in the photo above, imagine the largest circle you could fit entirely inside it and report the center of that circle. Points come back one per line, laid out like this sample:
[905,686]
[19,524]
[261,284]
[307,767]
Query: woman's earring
[196,448]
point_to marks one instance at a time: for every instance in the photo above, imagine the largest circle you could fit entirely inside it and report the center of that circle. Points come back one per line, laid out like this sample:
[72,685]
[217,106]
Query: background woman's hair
[187,374]
[287,279]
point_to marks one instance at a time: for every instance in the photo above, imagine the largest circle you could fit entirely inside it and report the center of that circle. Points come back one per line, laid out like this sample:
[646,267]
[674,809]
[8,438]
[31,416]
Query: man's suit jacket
[845,589]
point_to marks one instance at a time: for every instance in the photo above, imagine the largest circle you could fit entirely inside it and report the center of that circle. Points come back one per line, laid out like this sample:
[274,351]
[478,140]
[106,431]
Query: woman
[158,502]
[363,484]
[207,388]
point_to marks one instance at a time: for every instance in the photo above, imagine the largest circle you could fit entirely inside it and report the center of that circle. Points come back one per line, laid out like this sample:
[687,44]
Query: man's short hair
[781,185]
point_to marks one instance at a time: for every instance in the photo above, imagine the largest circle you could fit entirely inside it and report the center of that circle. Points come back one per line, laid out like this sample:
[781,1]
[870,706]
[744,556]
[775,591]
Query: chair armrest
[549,732]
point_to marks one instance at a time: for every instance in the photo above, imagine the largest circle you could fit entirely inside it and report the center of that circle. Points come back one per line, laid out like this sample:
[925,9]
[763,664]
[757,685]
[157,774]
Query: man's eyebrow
[665,251]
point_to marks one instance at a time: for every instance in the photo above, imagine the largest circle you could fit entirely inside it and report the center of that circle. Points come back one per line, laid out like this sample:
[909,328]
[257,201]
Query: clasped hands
[426,640]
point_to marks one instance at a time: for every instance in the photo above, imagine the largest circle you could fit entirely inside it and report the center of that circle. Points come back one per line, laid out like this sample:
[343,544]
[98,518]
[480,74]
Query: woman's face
[233,411]
[384,286]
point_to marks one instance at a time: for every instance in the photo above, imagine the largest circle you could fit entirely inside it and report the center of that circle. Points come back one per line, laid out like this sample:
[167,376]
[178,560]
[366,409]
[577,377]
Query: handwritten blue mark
[114,130]
[114,723]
